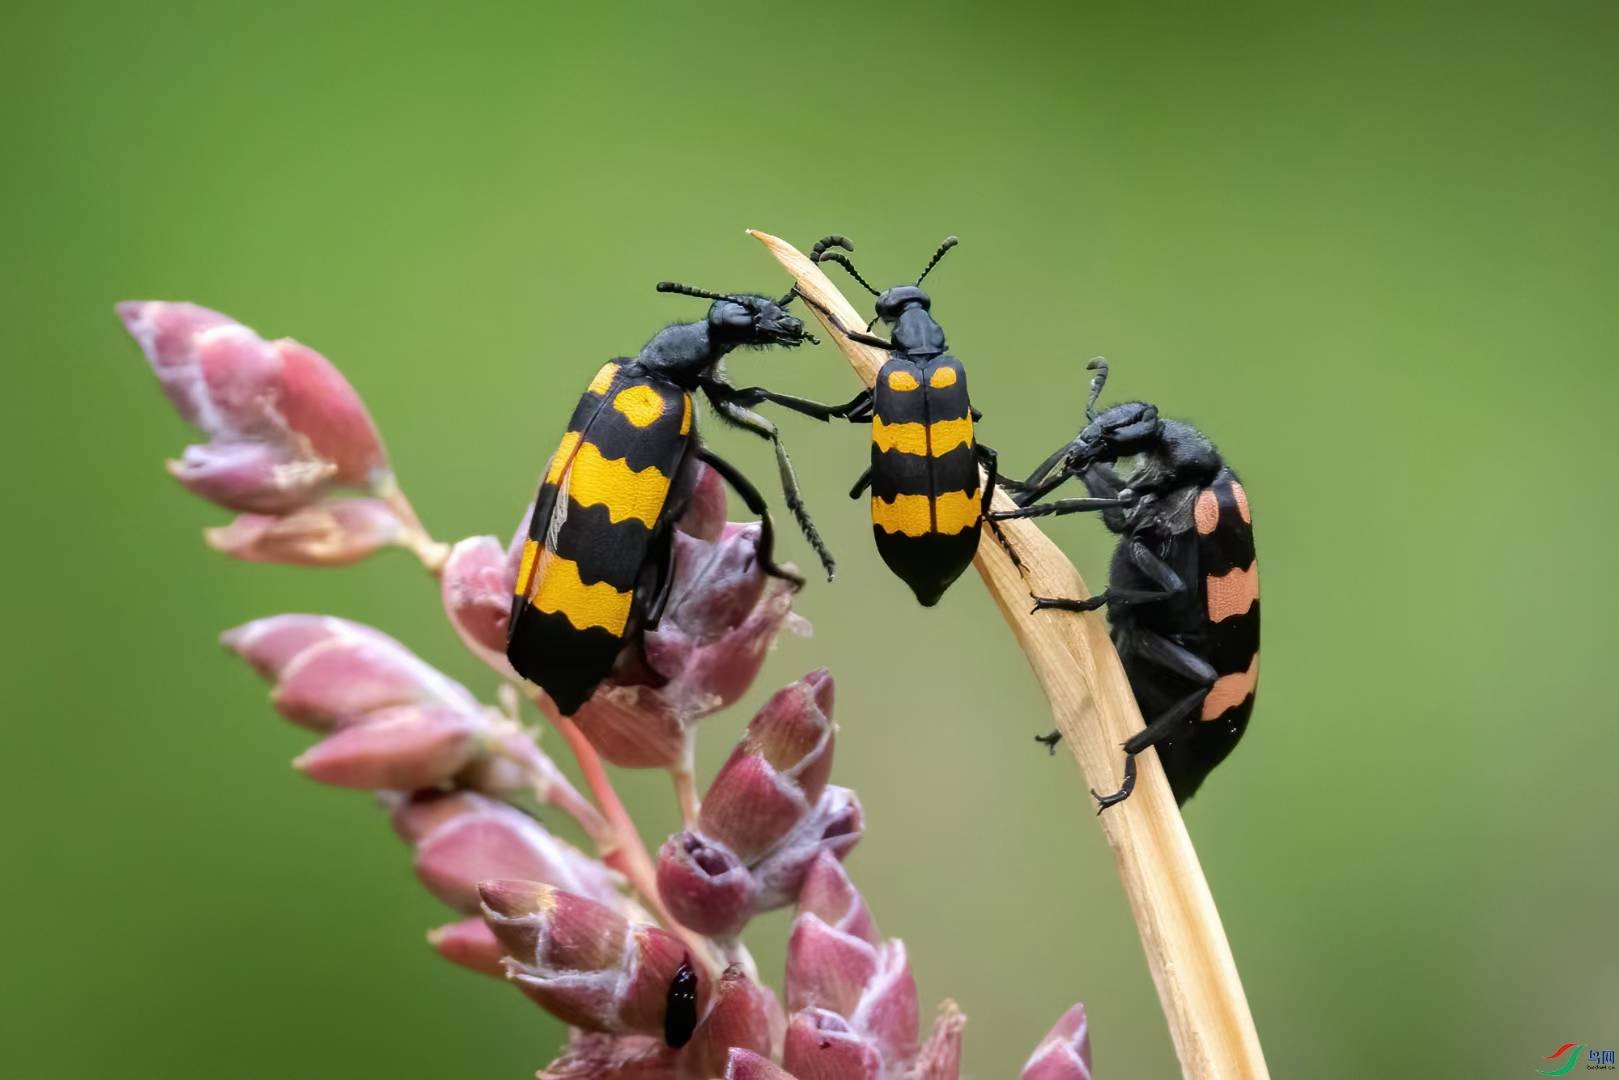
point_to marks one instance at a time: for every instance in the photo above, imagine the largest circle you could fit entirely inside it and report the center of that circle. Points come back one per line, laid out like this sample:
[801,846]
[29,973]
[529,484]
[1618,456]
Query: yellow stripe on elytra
[957,511]
[563,592]
[902,381]
[525,572]
[610,482]
[562,458]
[946,435]
[906,438]
[943,377]
[641,405]
[911,515]
[603,379]
[908,515]
[685,414]
[939,439]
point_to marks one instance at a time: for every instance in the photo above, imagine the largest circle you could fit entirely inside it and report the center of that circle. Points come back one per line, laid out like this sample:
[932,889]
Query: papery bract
[747,1065]
[334,533]
[462,839]
[471,944]
[821,1045]
[407,746]
[582,961]
[1065,1052]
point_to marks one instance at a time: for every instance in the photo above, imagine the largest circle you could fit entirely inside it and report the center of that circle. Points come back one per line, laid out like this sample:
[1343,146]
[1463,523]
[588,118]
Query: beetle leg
[756,504]
[1066,506]
[1104,483]
[986,455]
[753,395]
[748,420]
[853,335]
[1156,569]
[861,484]
[1163,726]
[662,584]
[1110,595]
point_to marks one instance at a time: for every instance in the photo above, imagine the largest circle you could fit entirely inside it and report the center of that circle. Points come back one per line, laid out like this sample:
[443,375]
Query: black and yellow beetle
[595,570]
[927,504]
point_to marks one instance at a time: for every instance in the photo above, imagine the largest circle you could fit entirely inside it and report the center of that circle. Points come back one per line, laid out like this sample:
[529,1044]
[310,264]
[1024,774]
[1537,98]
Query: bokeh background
[1371,251]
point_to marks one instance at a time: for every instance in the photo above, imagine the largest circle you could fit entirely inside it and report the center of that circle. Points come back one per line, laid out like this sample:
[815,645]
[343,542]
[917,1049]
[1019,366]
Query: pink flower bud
[271,644]
[318,403]
[871,986]
[471,944]
[325,534]
[634,727]
[462,839]
[745,1016]
[772,780]
[408,746]
[594,1056]
[827,968]
[723,615]
[1065,1052]
[828,893]
[835,827]
[821,1045]
[704,885]
[477,592]
[747,1065]
[867,982]
[582,961]
[343,677]
[259,477]
[283,424]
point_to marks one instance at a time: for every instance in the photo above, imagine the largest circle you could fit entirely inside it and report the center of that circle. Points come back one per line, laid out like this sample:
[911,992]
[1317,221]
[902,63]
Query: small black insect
[927,500]
[596,568]
[1183,591]
[680,1013]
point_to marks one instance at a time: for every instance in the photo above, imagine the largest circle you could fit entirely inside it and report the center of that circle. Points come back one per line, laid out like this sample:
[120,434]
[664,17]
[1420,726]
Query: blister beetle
[927,502]
[596,567]
[1183,590]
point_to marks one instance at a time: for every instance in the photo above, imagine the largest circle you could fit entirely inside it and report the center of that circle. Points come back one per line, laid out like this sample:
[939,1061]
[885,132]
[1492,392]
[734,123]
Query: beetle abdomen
[601,505]
[925,490]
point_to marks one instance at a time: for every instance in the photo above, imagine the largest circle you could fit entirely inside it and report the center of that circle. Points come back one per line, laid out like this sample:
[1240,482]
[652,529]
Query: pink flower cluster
[595,939]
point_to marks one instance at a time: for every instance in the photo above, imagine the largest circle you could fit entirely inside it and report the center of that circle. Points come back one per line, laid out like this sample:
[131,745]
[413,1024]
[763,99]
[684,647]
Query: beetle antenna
[1099,380]
[830,240]
[687,290]
[949,242]
[819,254]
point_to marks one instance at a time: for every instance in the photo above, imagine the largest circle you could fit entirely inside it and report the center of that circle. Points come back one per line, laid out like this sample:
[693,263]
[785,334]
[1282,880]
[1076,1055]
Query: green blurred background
[1371,252]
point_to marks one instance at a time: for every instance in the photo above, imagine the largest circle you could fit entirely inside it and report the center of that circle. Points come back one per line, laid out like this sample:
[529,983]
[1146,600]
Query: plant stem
[624,850]
[416,539]
[684,775]
[1077,667]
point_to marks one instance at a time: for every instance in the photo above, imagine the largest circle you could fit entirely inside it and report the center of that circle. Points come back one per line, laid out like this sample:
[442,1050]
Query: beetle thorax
[916,332]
